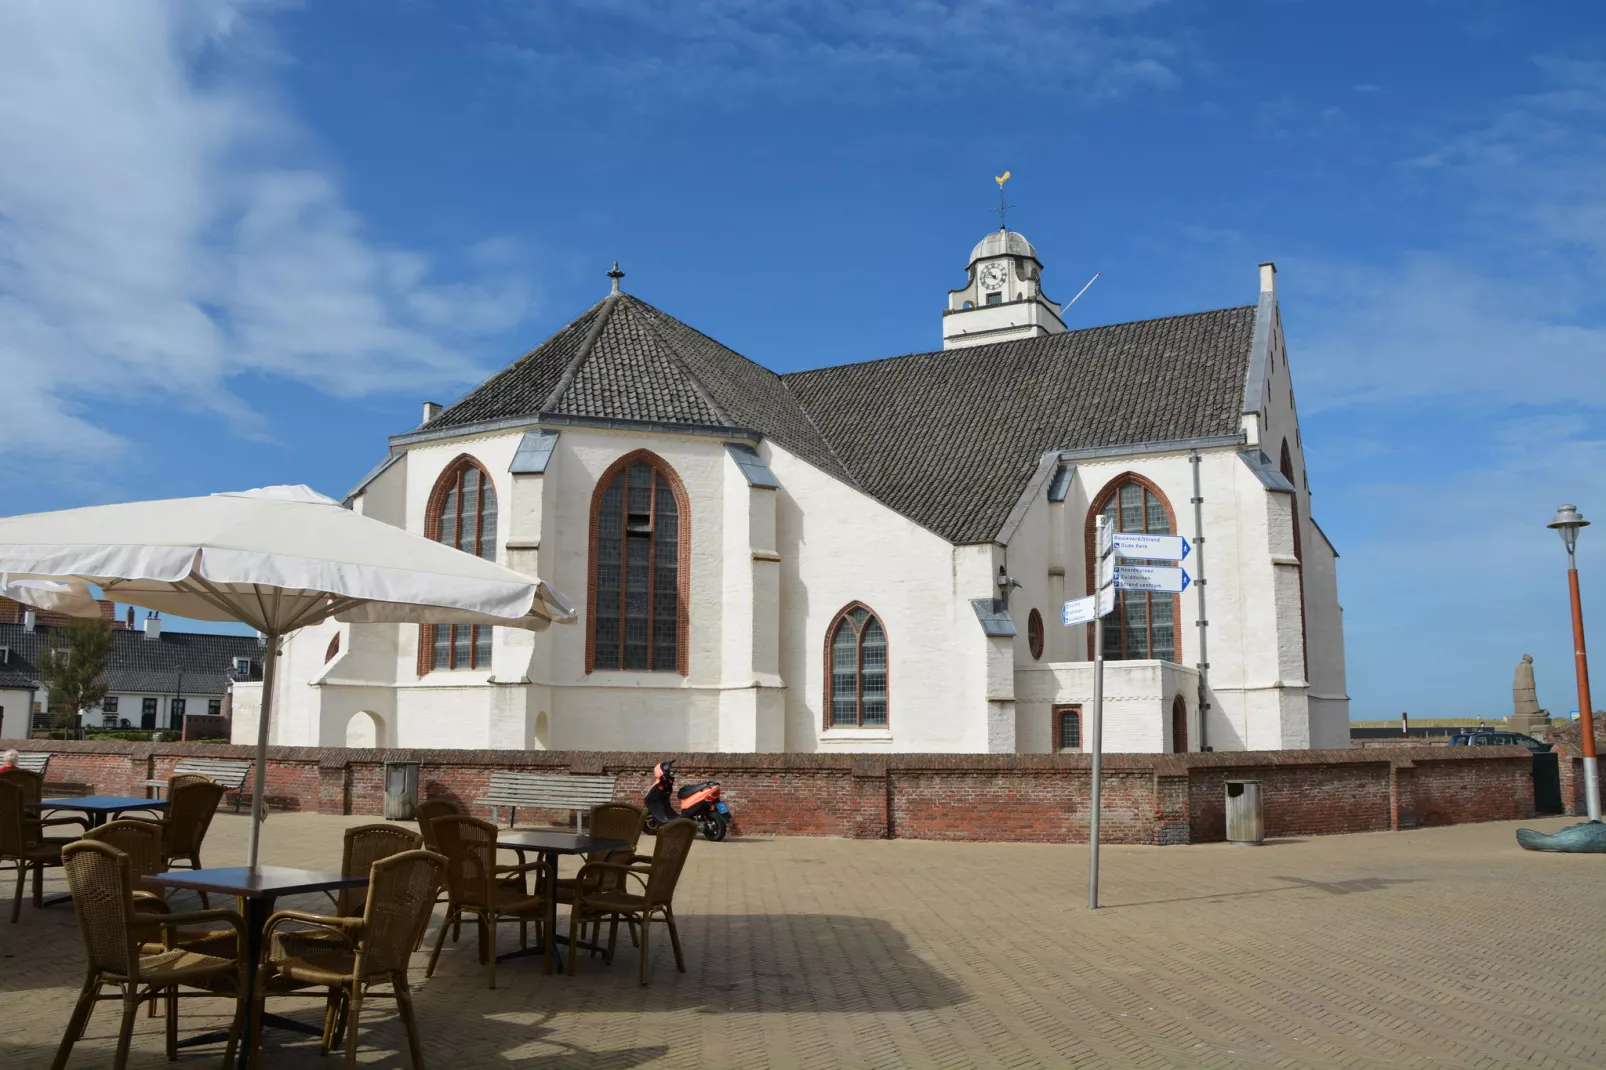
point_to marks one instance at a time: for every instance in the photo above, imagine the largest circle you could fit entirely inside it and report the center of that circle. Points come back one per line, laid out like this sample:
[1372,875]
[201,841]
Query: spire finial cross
[1002,207]
[616,275]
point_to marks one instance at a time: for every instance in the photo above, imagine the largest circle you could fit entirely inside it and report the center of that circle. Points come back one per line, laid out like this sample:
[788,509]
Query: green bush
[126,735]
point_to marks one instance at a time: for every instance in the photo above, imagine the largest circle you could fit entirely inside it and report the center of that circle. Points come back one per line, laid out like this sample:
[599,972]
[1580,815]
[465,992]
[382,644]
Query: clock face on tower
[992,276]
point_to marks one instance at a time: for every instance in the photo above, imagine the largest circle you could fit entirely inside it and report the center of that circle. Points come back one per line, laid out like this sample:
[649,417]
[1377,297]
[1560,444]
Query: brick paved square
[1437,948]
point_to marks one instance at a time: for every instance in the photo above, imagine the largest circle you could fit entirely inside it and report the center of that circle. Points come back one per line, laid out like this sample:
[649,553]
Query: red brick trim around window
[1091,551]
[682,557]
[432,530]
[1056,714]
[830,634]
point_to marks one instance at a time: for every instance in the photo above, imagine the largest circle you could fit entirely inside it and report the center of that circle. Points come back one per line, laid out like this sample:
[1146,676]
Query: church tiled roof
[948,439]
[626,360]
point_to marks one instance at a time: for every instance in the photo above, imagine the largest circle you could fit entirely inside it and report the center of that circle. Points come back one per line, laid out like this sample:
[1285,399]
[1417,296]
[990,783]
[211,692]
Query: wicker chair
[475,884]
[102,883]
[33,790]
[428,811]
[610,821]
[141,841]
[365,845]
[192,802]
[21,845]
[614,902]
[348,955]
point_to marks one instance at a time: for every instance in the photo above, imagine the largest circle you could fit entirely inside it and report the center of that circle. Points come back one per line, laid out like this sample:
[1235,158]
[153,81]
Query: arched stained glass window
[461,514]
[856,670]
[640,553]
[1144,625]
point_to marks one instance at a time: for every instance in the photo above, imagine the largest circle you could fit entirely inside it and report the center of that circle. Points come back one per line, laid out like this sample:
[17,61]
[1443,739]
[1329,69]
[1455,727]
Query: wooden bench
[34,761]
[229,772]
[545,791]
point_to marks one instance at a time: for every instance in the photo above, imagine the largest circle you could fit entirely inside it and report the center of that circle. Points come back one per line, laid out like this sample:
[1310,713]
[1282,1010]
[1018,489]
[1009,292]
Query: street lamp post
[1568,521]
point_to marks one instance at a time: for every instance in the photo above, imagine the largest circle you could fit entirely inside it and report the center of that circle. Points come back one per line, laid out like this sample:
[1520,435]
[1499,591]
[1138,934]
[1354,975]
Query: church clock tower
[1003,299]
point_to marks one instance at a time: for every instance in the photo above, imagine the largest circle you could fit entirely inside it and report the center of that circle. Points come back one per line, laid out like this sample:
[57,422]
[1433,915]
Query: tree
[74,672]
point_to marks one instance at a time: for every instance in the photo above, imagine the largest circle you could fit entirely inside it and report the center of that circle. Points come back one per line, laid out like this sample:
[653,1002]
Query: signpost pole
[1096,722]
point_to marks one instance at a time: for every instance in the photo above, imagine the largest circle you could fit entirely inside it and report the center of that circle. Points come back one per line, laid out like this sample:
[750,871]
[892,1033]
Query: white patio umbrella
[276,558]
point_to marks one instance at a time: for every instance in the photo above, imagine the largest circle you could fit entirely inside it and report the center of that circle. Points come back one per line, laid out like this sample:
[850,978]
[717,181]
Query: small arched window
[640,566]
[856,670]
[332,649]
[1067,728]
[1179,725]
[1034,634]
[1143,625]
[461,513]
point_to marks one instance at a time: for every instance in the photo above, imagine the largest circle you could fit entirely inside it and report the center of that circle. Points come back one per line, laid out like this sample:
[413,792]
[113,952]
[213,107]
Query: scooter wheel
[716,827]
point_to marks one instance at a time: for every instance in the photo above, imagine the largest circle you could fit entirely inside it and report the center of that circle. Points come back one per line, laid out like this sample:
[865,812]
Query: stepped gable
[951,438]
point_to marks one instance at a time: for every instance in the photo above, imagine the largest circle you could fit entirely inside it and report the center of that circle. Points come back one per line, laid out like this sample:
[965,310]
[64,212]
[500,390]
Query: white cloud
[148,252]
[1509,306]
[867,49]
[1458,577]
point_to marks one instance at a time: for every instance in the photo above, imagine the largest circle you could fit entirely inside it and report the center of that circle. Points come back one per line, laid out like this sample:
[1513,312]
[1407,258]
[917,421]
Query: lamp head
[1567,521]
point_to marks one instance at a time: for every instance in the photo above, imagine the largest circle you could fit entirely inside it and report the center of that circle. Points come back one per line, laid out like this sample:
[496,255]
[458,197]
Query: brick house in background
[155,678]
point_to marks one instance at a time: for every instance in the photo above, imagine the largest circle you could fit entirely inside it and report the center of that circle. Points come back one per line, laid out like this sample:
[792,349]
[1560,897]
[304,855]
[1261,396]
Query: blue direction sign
[1161,578]
[1153,547]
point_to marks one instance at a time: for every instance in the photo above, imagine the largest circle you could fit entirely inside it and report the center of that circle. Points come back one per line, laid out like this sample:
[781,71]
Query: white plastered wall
[838,546]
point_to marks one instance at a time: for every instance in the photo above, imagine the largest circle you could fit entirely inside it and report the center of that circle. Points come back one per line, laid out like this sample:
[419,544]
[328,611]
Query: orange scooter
[699,802]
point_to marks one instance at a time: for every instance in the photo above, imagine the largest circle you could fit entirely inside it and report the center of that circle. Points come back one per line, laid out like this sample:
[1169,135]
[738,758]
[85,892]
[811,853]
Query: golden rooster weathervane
[1002,207]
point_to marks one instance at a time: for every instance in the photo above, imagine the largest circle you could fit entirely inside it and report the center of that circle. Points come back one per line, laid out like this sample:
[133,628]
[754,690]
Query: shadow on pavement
[1349,887]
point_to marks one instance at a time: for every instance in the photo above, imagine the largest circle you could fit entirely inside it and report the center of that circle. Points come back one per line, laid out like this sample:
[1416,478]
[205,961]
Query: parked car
[1497,739]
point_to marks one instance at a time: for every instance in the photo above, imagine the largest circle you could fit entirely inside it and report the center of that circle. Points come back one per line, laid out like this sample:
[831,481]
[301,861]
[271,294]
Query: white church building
[868,557]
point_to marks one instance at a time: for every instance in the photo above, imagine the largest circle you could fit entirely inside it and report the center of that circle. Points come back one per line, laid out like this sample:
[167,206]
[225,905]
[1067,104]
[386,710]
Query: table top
[264,882]
[102,803]
[557,843]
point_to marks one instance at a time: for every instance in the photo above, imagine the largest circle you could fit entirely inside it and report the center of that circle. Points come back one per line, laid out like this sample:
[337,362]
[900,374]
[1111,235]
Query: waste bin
[401,790]
[1246,819]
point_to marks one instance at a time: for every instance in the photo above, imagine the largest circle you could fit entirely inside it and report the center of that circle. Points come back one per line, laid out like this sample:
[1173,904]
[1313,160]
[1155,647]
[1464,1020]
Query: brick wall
[1147,798]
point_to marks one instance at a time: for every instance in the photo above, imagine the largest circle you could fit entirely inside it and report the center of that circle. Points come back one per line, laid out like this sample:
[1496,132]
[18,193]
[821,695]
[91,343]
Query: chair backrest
[14,836]
[669,858]
[180,779]
[31,783]
[401,894]
[102,887]
[429,810]
[365,845]
[469,845]
[141,841]
[616,821]
[189,814]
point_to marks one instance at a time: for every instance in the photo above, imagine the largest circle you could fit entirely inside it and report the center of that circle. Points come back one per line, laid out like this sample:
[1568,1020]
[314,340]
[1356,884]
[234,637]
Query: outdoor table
[550,845]
[256,889]
[98,807]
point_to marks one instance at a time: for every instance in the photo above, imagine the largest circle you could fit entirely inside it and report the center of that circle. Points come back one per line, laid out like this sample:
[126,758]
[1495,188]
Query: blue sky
[240,242]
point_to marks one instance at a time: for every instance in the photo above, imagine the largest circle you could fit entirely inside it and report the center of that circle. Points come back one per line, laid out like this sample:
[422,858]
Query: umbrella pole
[260,771]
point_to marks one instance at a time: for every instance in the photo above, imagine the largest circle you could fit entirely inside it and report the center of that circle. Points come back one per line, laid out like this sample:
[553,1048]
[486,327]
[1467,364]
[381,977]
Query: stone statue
[1526,716]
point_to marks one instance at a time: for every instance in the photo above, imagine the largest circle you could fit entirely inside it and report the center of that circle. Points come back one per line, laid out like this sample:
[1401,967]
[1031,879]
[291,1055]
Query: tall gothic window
[856,670]
[461,514]
[640,557]
[1143,625]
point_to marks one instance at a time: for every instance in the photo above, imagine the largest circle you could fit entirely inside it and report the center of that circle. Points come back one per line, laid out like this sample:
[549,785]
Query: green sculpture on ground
[1588,837]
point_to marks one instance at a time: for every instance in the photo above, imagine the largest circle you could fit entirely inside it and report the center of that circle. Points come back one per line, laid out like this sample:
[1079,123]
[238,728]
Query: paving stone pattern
[1444,947]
